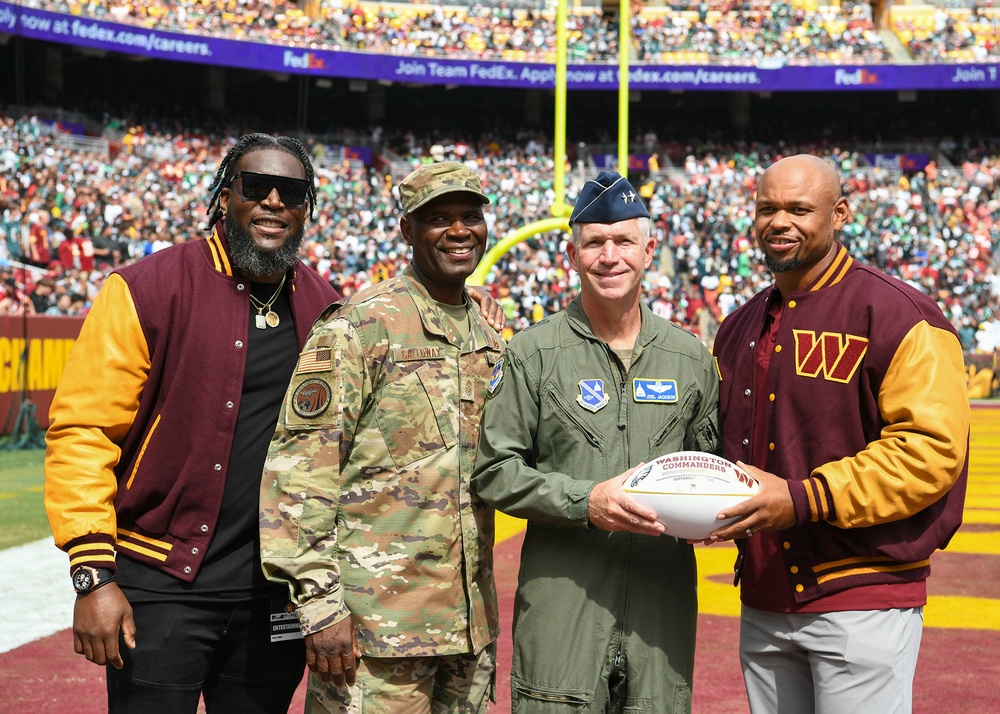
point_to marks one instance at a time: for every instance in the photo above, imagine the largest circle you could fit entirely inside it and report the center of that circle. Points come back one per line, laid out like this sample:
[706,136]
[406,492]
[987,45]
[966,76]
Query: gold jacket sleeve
[922,447]
[91,413]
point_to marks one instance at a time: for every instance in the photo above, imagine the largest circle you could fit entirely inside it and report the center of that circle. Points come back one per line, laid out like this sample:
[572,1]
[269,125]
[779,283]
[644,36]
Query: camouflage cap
[433,180]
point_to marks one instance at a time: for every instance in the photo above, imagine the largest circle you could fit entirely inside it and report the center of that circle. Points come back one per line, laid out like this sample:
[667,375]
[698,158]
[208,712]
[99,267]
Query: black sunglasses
[257,187]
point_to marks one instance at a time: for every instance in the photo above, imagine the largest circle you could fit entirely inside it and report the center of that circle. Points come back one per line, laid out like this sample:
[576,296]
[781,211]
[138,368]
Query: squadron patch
[654,390]
[311,398]
[592,396]
[497,377]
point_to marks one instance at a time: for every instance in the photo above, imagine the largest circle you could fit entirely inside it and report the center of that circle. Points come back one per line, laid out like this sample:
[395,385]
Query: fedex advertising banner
[128,39]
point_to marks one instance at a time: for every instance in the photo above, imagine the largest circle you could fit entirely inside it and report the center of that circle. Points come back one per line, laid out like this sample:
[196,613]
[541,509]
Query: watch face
[82,580]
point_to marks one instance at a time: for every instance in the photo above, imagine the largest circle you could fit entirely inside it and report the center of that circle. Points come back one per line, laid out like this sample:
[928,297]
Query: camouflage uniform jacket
[365,500]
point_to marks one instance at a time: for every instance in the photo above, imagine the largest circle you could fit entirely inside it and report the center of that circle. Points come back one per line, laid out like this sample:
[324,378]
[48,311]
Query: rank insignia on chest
[497,376]
[592,396]
[654,390]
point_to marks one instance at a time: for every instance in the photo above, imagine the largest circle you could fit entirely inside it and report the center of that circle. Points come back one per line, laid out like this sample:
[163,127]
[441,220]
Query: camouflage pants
[411,685]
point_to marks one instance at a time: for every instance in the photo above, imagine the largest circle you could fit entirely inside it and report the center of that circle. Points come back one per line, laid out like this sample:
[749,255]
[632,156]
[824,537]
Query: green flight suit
[602,621]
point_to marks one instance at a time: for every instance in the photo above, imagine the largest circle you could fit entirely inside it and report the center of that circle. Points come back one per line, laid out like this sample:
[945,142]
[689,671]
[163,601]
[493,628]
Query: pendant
[272,318]
[259,322]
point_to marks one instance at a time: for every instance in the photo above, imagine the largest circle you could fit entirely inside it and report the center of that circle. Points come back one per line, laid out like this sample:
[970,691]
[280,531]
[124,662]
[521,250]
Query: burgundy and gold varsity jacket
[867,419]
[142,421]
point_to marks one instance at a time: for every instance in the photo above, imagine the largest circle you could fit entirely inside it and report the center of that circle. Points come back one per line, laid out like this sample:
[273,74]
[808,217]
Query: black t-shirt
[231,569]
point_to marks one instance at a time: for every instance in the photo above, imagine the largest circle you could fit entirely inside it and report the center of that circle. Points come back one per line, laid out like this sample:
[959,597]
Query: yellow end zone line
[507,527]
[721,598]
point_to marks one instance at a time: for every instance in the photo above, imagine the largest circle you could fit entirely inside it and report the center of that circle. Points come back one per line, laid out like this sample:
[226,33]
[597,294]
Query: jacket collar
[842,262]
[435,323]
[580,324]
[218,249]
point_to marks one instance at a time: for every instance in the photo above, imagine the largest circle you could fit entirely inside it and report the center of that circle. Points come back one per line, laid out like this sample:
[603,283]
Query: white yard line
[35,593]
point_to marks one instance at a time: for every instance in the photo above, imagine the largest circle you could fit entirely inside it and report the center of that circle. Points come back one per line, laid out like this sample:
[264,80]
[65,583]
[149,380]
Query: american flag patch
[315,361]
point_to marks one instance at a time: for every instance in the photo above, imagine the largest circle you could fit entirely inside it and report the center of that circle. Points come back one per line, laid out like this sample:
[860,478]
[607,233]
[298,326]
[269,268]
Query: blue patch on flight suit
[654,390]
[497,376]
[592,396]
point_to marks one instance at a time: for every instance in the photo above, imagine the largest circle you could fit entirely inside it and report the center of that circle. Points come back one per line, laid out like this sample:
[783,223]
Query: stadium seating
[958,32]
[932,228]
[730,32]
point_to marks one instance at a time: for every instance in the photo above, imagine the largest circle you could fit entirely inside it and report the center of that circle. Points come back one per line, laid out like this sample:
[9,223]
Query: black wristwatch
[87,579]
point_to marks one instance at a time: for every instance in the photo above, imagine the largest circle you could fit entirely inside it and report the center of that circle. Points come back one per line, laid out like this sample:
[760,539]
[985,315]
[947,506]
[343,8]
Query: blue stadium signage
[767,77]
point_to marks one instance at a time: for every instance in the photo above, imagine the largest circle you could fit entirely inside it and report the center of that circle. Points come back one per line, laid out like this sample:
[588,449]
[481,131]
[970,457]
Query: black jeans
[220,650]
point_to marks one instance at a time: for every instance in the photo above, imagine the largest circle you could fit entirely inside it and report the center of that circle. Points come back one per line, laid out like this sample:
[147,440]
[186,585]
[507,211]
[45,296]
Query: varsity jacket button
[204,528]
[752,343]
[794,569]
[771,446]
[771,396]
[746,393]
[786,545]
[791,304]
[194,551]
[777,348]
[239,343]
[229,405]
[799,588]
[218,467]
[240,287]
[187,570]
[746,441]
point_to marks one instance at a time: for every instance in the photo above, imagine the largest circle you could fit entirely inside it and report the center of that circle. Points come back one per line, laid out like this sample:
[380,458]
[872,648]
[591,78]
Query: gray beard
[254,262]
[780,266]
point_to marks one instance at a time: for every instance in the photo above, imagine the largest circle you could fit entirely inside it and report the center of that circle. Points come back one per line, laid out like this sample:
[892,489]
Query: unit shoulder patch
[496,378]
[311,398]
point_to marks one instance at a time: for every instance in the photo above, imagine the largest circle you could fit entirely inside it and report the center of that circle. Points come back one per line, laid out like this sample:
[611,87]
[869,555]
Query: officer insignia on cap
[592,396]
[599,200]
[311,398]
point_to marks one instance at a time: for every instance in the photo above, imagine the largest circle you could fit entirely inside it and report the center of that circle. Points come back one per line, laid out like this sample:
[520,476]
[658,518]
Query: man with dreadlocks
[158,435]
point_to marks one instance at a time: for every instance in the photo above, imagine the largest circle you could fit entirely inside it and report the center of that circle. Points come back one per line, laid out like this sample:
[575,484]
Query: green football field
[21,509]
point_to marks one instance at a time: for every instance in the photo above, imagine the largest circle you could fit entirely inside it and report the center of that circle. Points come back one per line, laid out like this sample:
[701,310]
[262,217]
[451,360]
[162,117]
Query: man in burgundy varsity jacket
[843,390]
[157,438]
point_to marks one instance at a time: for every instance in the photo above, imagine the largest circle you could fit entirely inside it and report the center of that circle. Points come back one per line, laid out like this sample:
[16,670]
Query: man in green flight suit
[606,606]
[366,509]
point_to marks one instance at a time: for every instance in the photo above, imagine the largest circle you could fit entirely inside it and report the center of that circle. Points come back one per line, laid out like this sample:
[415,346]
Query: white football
[687,489]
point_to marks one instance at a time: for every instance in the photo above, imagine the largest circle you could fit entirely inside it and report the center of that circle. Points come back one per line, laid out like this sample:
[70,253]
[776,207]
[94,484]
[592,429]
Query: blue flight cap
[609,198]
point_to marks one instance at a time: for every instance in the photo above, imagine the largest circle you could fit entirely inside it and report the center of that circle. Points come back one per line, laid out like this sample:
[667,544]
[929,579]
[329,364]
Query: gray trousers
[830,663]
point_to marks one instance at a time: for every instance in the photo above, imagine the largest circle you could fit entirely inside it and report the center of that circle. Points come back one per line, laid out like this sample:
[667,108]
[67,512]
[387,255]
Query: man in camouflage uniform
[366,509]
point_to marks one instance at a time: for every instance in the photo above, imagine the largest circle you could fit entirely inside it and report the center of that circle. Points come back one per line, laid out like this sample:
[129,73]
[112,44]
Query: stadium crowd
[85,212]
[684,31]
[967,33]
